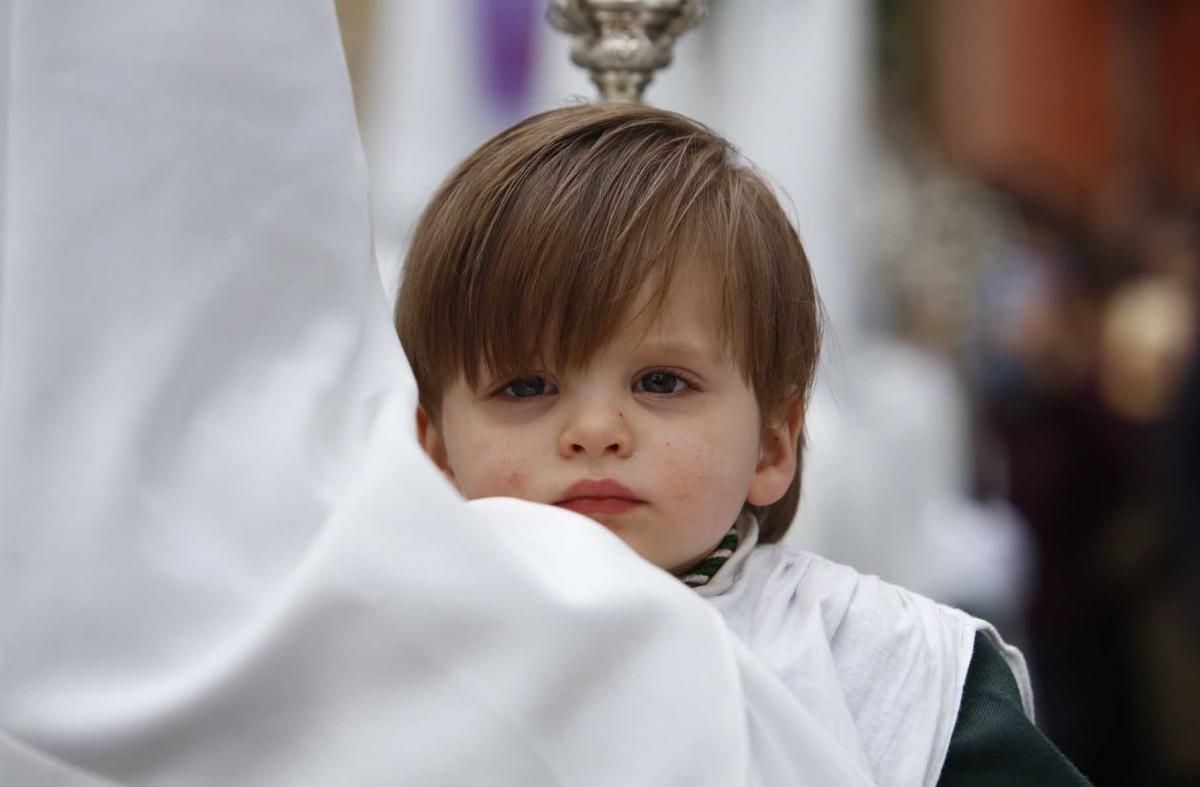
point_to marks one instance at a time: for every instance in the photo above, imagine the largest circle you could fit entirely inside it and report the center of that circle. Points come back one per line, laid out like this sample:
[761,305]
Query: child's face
[659,438]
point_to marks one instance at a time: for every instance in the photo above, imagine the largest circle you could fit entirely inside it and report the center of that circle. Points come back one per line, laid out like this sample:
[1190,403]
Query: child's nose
[596,432]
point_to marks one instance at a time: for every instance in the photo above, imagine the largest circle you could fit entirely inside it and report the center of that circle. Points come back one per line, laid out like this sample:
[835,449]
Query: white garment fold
[223,559]
[898,660]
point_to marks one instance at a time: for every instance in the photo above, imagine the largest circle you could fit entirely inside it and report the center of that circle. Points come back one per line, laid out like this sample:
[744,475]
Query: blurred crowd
[1052,257]
[1076,341]
[1086,371]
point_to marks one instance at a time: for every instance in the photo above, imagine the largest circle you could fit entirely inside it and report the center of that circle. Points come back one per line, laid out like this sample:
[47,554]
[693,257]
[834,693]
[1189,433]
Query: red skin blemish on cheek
[515,480]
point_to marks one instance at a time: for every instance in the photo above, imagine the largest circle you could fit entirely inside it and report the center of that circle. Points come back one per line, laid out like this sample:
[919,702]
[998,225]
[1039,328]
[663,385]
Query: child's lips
[599,505]
[599,496]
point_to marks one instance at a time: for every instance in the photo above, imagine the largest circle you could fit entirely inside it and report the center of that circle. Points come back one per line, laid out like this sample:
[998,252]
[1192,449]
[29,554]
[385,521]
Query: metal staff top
[623,42]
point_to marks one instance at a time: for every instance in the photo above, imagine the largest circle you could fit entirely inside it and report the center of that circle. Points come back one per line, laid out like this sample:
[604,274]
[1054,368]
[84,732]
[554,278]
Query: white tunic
[899,658]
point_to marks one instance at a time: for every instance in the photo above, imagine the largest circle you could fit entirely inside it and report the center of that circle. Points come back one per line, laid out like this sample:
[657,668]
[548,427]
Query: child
[606,312]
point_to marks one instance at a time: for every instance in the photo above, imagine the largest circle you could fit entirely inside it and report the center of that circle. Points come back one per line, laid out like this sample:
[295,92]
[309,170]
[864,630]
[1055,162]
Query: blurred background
[1001,200]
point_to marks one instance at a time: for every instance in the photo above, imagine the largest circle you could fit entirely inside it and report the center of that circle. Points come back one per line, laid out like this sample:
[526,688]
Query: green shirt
[994,742]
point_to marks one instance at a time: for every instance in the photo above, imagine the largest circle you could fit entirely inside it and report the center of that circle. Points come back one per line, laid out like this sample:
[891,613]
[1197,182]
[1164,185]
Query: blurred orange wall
[1065,96]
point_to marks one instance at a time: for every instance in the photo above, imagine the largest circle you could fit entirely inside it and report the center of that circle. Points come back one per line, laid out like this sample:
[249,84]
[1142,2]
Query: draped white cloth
[901,660]
[223,559]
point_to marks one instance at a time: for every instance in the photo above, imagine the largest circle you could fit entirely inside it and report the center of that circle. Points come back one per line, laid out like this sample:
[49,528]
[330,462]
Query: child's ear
[431,441]
[777,456]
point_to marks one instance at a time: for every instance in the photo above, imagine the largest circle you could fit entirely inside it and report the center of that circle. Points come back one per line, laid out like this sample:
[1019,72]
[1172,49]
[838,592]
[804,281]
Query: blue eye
[527,387]
[661,383]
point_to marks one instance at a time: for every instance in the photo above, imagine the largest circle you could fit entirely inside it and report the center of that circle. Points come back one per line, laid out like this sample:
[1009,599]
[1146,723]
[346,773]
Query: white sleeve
[223,559]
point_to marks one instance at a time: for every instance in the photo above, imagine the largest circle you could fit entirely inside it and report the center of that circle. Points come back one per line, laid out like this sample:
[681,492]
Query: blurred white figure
[886,488]
[900,423]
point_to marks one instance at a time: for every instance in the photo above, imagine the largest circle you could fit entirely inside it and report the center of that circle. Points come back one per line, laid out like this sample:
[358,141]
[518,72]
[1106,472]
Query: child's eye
[527,387]
[661,382]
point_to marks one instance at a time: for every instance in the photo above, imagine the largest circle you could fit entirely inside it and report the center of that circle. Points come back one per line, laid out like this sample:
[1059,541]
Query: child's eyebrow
[679,348]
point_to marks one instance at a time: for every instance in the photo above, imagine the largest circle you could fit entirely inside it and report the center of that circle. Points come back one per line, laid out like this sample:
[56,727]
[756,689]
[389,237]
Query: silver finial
[623,42]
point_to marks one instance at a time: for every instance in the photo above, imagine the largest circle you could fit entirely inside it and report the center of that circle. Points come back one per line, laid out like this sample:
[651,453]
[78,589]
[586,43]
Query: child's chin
[611,521]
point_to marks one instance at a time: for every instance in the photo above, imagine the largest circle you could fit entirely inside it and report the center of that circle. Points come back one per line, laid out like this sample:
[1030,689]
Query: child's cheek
[493,471]
[704,476]
[514,482]
[685,470]
[505,479]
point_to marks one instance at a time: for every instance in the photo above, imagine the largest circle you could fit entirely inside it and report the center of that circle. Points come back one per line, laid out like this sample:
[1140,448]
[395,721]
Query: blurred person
[1086,335]
[1170,632]
[1182,257]
[1184,490]
[1165,356]
[1147,333]
[606,311]
[1062,471]
[901,423]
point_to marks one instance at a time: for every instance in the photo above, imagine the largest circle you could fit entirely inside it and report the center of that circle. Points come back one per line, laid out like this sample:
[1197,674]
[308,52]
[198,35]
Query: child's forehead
[677,318]
[683,308]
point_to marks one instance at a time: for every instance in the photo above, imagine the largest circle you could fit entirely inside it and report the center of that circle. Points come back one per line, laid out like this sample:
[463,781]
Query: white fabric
[900,659]
[223,559]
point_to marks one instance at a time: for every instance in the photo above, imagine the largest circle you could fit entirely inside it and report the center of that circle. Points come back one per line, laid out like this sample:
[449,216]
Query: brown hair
[538,245]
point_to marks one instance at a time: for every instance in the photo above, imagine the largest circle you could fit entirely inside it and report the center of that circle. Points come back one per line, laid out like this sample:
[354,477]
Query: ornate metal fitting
[623,42]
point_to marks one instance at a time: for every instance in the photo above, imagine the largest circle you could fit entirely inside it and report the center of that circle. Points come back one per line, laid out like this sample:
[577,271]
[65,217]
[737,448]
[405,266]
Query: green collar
[703,571]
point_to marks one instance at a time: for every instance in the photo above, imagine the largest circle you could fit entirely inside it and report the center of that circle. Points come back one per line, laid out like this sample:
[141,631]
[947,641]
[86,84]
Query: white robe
[223,559]
[900,659]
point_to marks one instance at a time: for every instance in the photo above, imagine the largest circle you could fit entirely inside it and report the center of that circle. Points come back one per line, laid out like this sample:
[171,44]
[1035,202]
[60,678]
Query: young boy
[605,311]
